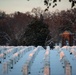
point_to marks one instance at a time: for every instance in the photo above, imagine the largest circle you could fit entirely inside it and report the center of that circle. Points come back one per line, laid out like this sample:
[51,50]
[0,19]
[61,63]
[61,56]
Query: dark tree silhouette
[35,34]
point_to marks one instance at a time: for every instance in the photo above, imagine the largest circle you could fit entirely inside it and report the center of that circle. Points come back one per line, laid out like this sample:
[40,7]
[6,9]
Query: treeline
[60,21]
[36,27]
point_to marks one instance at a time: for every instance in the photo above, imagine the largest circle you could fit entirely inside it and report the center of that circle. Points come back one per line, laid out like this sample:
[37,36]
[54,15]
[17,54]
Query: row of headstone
[8,53]
[8,65]
[1,57]
[27,66]
[4,48]
[74,47]
[72,50]
[47,61]
[19,54]
[65,62]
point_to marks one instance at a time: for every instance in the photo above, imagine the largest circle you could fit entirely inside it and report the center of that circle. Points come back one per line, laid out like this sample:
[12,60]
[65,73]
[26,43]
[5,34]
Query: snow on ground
[72,61]
[59,58]
[37,66]
[17,70]
[56,67]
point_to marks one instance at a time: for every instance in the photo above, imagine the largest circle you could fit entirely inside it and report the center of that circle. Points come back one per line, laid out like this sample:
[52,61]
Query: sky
[11,6]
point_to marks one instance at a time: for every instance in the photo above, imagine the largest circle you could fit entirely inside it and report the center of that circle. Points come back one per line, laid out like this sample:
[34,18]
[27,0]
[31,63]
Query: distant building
[67,38]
